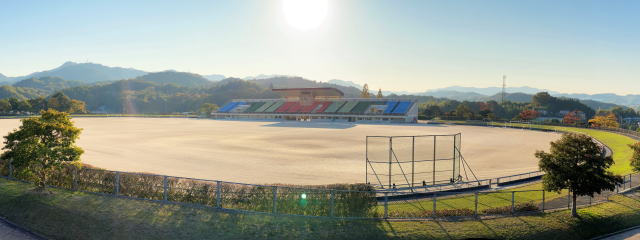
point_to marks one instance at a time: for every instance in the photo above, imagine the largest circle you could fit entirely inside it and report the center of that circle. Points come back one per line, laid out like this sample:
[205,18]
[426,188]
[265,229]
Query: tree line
[57,101]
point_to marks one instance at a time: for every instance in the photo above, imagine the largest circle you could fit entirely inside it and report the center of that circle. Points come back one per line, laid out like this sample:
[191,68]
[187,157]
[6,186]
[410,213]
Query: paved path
[9,232]
[631,234]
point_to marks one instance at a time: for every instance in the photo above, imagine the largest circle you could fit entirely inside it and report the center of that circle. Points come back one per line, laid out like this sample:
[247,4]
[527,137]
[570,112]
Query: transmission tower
[504,88]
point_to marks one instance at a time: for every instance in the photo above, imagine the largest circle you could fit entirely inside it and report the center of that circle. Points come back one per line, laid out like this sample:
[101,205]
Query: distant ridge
[86,73]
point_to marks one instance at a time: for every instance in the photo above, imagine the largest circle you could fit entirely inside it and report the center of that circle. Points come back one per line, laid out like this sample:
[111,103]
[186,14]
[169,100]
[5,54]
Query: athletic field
[280,152]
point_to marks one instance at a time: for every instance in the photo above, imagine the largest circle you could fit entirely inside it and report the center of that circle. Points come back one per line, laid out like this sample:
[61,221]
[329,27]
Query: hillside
[7,91]
[86,73]
[47,84]
[139,96]
[182,79]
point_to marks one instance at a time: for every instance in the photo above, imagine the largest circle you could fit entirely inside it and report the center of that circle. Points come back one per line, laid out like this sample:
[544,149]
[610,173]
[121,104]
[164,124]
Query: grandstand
[320,104]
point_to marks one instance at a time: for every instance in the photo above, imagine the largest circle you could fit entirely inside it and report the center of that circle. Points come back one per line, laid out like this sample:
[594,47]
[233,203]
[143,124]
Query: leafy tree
[59,102]
[41,145]
[379,95]
[432,111]
[635,159]
[528,114]
[577,163]
[62,103]
[571,118]
[208,108]
[608,121]
[5,106]
[365,91]
[463,112]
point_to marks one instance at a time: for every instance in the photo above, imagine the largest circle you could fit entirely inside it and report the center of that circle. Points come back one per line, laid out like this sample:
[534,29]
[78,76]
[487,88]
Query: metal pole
[386,205]
[165,186]
[218,194]
[476,205]
[413,161]
[513,202]
[542,200]
[366,160]
[568,199]
[390,152]
[454,160]
[117,184]
[275,199]
[332,200]
[434,204]
[434,160]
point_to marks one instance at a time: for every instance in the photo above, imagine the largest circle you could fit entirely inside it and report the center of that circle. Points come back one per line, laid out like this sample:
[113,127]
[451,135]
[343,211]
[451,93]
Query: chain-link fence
[336,201]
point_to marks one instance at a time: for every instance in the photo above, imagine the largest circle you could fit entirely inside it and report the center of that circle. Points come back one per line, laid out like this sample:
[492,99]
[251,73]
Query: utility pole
[504,89]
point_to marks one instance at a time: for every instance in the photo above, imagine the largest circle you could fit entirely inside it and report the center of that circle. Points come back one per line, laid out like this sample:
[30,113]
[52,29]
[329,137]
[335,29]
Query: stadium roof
[324,92]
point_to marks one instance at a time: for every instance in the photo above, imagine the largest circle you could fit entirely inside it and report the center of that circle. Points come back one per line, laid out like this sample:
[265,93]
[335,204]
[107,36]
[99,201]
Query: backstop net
[412,161]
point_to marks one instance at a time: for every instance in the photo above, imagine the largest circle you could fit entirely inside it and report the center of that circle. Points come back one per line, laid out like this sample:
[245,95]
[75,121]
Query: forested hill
[138,96]
[47,84]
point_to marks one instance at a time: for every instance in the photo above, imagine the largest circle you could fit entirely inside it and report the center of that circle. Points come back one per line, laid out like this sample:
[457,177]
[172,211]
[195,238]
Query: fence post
[165,186]
[475,211]
[386,205]
[332,199]
[434,205]
[275,199]
[542,200]
[75,178]
[513,202]
[117,184]
[218,194]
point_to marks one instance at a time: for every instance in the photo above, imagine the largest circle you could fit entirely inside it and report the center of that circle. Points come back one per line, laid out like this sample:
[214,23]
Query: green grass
[618,143]
[71,215]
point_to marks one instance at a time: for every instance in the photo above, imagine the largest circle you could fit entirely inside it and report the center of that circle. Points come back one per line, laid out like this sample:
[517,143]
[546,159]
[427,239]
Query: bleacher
[351,107]
[301,108]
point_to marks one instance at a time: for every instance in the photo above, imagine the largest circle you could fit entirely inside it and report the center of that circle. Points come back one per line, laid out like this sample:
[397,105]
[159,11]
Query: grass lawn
[71,215]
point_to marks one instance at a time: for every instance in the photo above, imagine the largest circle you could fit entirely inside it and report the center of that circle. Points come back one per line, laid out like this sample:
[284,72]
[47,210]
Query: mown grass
[73,215]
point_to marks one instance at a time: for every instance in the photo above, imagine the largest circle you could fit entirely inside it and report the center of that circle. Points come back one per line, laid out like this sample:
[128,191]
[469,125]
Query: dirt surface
[280,152]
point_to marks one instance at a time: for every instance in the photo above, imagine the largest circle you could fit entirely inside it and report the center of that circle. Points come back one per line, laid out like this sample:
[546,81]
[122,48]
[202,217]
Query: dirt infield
[279,152]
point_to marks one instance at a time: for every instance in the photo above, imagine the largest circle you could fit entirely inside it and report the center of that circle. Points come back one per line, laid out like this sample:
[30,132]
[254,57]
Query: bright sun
[305,14]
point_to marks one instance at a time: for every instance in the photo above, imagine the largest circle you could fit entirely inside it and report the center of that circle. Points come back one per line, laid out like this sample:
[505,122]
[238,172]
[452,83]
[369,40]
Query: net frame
[396,173]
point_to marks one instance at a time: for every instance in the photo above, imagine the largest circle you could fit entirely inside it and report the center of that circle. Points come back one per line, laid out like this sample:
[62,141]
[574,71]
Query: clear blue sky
[568,46]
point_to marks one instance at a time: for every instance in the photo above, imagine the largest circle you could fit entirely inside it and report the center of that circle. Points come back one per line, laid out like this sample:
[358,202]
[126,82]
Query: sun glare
[305,14]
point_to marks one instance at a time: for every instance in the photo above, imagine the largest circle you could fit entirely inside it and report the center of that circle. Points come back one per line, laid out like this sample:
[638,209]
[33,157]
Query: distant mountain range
[83,72]
[493,93]
[71,74]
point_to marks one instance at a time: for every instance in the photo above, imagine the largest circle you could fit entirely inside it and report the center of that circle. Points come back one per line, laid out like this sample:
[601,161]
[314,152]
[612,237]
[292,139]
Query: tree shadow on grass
[66,215]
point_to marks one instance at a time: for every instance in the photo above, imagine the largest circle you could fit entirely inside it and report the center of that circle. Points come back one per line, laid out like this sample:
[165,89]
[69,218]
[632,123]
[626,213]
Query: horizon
[396,47]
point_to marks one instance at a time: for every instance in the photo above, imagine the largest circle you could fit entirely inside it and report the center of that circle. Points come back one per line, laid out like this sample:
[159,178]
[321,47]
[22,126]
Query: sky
[397,45]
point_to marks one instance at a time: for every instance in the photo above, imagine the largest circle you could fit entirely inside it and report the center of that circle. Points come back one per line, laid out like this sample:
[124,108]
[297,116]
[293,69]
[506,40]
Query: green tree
[577,163]
[208,108]
[635,159]
[59,102]
[42,145]
[379,95]
[5,106]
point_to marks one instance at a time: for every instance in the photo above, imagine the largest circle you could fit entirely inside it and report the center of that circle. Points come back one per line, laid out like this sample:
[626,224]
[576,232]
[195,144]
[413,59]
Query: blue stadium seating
[402,107]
